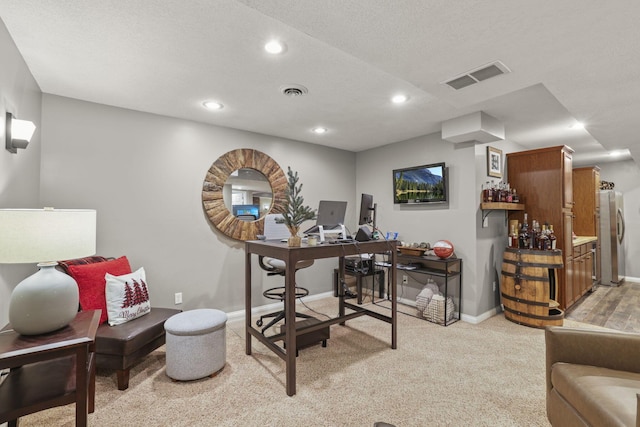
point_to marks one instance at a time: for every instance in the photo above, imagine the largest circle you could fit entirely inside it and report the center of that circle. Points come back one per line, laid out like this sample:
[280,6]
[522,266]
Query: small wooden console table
[49,370]
[291,256]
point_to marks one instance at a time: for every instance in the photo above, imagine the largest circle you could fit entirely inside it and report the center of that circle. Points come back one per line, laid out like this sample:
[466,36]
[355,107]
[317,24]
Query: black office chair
[277,267]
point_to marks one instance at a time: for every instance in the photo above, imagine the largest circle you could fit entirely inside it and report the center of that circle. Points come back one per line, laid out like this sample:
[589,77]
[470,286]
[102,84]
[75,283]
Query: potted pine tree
[295,212]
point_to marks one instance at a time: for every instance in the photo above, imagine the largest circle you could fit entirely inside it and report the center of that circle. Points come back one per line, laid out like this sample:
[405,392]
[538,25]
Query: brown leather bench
[120,347]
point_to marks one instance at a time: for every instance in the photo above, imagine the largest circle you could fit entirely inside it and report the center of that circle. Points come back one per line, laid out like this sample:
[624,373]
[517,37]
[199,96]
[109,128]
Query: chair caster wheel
[259,322]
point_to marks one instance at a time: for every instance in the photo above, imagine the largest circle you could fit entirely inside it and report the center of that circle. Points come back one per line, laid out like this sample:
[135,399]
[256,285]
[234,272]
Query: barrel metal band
[533,251]
[531,264]
[535,316]
[516,299]
[518,276]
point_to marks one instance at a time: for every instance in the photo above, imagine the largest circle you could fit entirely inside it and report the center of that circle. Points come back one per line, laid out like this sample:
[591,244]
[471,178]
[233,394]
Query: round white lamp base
[43,302]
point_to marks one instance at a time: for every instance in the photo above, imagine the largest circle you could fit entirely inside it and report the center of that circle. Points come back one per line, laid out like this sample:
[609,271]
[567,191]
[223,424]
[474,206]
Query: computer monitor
[243,210]
[366,209]
[330,215]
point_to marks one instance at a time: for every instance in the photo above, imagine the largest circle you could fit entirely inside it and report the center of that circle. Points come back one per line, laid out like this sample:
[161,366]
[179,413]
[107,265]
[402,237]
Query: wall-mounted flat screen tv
[420,184]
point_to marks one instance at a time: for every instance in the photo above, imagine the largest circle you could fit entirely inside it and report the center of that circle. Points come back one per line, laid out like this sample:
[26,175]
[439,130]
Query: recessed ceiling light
[213,105]
[275,47]
[319,130]
[577,125]
[399,99]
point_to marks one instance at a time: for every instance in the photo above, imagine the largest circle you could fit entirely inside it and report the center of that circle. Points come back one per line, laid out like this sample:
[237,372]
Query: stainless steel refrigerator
[611,237]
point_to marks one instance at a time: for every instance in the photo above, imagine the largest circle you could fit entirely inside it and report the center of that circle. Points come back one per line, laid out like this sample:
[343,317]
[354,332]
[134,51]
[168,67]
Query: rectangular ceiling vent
[477,75]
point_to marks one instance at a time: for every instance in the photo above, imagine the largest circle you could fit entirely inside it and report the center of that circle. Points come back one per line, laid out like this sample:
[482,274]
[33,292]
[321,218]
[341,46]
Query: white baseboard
[239,315]
[477,319]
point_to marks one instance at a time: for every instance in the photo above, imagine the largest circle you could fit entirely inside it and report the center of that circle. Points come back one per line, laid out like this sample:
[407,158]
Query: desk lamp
[47,300]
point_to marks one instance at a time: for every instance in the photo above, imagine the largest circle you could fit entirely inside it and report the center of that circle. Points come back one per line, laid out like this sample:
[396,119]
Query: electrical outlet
[405,279]
[178,298]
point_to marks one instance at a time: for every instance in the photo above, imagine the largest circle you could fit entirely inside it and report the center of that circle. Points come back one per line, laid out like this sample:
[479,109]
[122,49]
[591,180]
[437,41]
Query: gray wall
[19,173]
[492,239]
[626,176]
[459,222]
[144,173]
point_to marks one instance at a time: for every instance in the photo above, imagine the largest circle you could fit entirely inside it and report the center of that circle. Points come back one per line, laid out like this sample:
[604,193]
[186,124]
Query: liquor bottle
[543,239]
[513,237]
[524,234]
[486,191]
[533,235]
[509,194]
[552,238]
[515,197]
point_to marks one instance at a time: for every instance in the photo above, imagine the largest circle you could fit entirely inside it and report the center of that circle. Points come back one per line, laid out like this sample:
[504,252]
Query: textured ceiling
[570,60]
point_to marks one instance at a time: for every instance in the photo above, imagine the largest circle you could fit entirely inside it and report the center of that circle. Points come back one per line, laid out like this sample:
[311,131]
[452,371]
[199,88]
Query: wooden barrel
[527,288]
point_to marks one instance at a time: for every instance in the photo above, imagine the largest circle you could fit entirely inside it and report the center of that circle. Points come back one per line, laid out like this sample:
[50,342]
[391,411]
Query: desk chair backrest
[275,231]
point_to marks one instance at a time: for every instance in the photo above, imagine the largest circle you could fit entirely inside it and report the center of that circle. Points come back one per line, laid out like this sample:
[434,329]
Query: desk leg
[92,378]
[394,300]
[341,288]
[82,383]
[247,301]
[290,325]
[380,274]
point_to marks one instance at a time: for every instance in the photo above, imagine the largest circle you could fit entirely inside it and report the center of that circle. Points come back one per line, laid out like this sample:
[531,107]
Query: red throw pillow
[64,265]
[91,282]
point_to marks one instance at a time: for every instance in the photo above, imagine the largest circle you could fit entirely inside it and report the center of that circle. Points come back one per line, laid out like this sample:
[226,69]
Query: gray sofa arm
[613,350]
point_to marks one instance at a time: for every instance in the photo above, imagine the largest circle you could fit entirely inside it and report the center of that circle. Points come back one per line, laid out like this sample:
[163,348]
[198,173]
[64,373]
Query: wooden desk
[291,256]
[49,370]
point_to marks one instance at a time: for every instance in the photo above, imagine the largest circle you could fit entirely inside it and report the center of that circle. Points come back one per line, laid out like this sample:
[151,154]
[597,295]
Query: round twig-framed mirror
[217,183]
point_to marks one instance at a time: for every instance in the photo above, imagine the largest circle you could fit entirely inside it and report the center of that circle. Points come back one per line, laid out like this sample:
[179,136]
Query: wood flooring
[610,307]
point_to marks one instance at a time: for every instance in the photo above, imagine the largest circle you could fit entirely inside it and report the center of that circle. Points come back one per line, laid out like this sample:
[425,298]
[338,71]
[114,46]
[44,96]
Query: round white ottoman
[196,343]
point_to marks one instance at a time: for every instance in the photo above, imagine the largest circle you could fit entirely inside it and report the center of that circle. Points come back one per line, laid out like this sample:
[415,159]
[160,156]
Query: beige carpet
[490,374]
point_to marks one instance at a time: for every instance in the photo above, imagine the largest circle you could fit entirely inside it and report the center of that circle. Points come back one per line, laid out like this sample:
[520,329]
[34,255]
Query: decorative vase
[294,241]
[43,302]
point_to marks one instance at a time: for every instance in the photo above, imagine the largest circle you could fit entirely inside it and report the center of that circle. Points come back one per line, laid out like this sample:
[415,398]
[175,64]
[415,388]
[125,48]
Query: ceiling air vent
[477,75]
[294,90]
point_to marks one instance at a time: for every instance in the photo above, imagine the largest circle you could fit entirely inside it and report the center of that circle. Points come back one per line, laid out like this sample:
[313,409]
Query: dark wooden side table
[48,370]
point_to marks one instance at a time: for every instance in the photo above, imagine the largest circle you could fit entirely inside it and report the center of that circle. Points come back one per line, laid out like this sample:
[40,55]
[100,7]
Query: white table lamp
[47,300]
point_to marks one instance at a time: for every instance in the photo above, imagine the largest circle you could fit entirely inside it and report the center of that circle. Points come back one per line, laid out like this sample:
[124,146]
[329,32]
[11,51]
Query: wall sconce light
[18,133]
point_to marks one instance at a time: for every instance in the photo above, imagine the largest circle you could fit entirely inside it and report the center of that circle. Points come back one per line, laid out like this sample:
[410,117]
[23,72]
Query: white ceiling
[570,60]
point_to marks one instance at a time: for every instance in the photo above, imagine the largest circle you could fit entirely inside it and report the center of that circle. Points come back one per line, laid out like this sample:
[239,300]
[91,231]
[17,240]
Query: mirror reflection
[247,194]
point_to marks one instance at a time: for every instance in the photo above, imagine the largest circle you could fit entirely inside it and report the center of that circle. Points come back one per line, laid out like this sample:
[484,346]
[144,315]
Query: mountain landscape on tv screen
[421,176]
[419,185]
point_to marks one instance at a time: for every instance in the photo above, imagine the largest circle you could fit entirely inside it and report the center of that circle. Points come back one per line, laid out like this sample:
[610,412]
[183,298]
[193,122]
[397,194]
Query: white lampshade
[47,300]
[40,235]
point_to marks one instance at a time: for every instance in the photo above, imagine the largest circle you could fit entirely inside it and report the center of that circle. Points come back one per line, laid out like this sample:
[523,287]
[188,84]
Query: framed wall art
[494,162]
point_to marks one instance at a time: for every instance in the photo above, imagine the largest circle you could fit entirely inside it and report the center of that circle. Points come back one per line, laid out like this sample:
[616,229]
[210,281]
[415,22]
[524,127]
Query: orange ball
[443,249]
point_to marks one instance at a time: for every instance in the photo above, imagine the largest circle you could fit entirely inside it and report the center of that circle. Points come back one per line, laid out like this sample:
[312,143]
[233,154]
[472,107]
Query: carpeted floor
[490,374]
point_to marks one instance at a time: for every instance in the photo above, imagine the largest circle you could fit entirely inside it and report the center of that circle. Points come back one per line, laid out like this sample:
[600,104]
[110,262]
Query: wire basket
[435,310]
